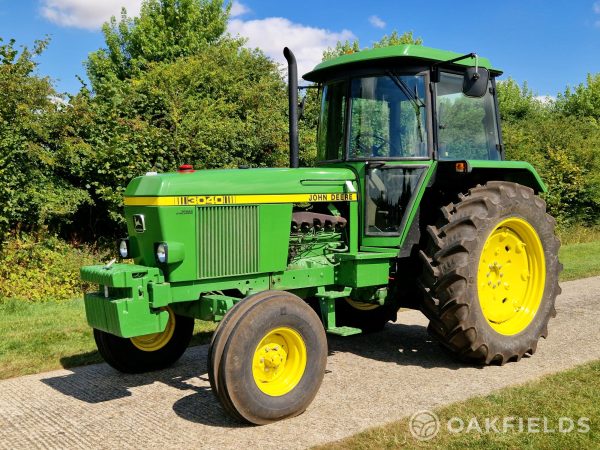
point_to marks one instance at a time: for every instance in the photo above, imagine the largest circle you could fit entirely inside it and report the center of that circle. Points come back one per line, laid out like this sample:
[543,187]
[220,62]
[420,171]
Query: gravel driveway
[370,380]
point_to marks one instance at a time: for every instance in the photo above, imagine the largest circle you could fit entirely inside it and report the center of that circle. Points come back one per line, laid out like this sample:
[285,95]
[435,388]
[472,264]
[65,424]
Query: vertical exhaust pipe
[293,105]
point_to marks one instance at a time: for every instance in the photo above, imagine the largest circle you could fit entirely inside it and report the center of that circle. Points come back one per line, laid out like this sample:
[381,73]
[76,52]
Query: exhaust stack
[293,105]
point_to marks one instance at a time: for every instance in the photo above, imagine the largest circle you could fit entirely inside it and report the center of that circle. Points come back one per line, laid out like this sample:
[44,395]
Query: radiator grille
[227,240]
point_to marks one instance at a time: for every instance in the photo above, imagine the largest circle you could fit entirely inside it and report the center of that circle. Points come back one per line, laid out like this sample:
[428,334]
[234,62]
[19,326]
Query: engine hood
[241,182]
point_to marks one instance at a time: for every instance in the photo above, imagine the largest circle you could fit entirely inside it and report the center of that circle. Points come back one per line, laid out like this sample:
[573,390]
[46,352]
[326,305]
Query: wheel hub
[279,361]
[272,358]
[511,276]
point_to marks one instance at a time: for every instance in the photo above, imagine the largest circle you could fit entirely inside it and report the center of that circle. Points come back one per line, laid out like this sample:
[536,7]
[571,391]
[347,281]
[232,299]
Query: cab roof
[399,53]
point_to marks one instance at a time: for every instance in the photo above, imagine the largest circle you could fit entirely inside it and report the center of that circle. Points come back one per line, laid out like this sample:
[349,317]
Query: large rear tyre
[150,352]
[491,273]
[274,359]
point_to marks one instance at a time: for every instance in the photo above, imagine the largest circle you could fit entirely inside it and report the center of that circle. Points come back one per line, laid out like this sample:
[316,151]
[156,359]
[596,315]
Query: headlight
[162,253]
[124,248]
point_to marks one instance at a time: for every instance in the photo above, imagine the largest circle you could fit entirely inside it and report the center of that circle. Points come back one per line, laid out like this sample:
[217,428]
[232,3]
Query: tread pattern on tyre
[450,262]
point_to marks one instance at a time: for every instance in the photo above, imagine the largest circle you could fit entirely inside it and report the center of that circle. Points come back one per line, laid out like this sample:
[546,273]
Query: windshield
[467,125]
[330,141]
[388,118]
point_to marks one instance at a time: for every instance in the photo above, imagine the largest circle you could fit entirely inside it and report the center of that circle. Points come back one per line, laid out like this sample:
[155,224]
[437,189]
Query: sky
[548,43]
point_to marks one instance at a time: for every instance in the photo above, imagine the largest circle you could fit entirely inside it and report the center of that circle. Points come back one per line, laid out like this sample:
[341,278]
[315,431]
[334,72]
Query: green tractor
[411,205]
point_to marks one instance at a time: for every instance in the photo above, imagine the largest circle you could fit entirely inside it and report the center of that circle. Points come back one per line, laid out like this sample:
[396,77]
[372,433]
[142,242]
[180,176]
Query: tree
[517,102]
[164,31]
[584,100]
[32,192]
[342,48]
[211,103]
[564,151]
[561,143]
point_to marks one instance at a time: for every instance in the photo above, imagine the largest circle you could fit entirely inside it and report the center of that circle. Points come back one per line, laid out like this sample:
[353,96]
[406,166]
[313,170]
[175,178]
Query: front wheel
[273,360]
[150,352]
[491,273]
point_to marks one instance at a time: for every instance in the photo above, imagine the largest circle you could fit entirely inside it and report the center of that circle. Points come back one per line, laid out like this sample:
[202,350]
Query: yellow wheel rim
[279,361]
[361,305]
[511,276]
[156,341]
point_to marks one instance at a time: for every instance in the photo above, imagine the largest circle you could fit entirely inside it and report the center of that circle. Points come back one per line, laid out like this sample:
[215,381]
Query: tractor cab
[397,115]
[412,103]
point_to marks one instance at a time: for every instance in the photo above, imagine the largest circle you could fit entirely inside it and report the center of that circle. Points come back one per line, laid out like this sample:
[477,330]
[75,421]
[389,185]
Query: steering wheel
[379,142]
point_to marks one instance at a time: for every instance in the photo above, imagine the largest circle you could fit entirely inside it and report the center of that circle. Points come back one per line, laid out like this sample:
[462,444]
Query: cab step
[344,331]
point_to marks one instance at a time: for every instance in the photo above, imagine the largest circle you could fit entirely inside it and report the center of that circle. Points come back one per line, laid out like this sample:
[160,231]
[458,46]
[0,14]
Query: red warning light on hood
[185,168]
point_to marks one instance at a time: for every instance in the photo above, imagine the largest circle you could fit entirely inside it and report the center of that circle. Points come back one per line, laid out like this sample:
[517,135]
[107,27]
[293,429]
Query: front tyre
[150,352]
[491,273]
[274,360]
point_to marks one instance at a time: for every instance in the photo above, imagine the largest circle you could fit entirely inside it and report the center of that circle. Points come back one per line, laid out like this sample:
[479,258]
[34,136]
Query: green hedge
[44,269]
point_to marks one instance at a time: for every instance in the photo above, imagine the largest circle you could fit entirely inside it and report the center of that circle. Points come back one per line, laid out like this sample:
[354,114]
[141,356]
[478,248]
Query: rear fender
[480,172]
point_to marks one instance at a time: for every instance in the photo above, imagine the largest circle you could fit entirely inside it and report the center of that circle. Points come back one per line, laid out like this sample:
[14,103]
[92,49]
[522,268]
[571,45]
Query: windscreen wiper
[414,99]
[406,90]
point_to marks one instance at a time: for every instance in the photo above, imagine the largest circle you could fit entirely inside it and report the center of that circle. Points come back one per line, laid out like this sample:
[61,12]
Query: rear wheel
[150,352]
[369,317]
[491,273]
[273,361]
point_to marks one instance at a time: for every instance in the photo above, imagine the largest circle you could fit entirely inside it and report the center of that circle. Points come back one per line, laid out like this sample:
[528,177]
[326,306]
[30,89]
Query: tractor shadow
[402,344]
[101,383]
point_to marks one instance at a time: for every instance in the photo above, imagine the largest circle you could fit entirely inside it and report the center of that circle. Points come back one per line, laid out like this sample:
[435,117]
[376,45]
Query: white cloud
[88,14]
[238,9]
[272,34]
[377,22]
[545,99]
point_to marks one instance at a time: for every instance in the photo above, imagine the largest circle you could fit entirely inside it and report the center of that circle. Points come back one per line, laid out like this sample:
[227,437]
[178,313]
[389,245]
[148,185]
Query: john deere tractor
[411,204]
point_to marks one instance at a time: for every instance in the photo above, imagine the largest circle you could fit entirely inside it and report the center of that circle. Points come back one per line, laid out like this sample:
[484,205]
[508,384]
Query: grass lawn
[36,337]
[572,394]
[580,260]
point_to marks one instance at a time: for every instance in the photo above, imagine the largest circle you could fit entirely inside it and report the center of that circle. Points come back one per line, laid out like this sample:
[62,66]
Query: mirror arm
[435,68]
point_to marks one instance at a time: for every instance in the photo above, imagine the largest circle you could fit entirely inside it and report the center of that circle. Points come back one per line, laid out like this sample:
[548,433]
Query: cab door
[392,193]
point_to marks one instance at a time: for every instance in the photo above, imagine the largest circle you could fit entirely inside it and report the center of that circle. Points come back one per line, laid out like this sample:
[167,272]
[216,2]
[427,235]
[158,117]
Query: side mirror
[475,82]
